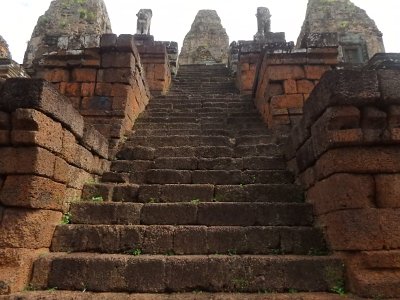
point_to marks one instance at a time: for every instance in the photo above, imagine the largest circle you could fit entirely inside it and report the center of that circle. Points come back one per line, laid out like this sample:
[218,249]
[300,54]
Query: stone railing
[346,153]
[47,155]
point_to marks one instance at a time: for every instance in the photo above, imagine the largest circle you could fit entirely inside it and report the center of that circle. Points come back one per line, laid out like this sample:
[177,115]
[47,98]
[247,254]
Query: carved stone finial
[144,21]
[263,22]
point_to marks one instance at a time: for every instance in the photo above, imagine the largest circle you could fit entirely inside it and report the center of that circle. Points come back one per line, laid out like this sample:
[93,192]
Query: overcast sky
[172,18]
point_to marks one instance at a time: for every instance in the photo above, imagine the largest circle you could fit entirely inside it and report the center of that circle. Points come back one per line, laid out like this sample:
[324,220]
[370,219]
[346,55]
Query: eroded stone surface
[67,18]
[359,37]
[206,42]
[4,51]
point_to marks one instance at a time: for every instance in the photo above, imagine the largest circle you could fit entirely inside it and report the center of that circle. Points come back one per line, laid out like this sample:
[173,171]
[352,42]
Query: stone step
[220,177]
[199,115]
[188,240]
[149,153]
[214,273]
[205,132]
[195,295]
[178,141]
[175,193]
[193,213]
[185,126]
[195,163]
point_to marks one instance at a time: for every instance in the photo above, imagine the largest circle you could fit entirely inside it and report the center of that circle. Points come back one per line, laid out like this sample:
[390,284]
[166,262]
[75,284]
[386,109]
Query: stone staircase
[198,199]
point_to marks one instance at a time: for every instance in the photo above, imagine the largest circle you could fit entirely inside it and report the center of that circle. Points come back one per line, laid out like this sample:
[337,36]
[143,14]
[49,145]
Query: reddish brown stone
[287,101]
[73,89]
[305,86]
[352,160]
[342,191]
[84,75]
[118,60]
[23,228]
[285,72]
[388,190]
[32,192]
[16,268]
[290,86]
[88,89]
[316,72]
[30,160]
[56,75]
[31,127]
[356,229]
[103,89]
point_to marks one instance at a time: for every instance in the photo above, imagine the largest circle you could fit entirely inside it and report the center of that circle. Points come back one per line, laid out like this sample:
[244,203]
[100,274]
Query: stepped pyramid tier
[199,198]
[358,35]
[70,18]
[4,51]
[206,42]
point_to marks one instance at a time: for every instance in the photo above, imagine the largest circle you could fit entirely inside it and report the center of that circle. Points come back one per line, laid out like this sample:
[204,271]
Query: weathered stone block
[389,81]
[24,228]
[32,192]
[42,96]
[315,72]
[353,160]
[31,127]
[16,268]
[287,101]
[285,72]
[342,191]
[30,160]
[388,190]
[356,229]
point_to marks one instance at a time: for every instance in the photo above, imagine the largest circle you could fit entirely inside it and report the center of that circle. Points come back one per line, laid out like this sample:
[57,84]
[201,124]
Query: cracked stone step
[189,240]
[214,273]
[194,213]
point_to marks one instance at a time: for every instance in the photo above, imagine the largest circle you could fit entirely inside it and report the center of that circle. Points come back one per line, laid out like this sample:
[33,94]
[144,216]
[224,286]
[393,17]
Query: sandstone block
[305,86]
[388,190]
[84,75]
[359,160]
[56,75]
[16,268]
[316,72]
[118,60]
[40,95]
[342,191]
[87,89]
[285,72]
[30,160]
[290,86]
[25,228]
[287,101]
[32,192]
[356,229]
[31,127]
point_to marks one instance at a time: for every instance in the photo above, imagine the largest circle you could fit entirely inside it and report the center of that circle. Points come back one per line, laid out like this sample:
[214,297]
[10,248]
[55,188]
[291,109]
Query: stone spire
[4,51]
[352,24]
[70,18]
[206,42]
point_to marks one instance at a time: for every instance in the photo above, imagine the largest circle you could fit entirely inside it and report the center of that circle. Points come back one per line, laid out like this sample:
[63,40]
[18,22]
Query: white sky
[172,18]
